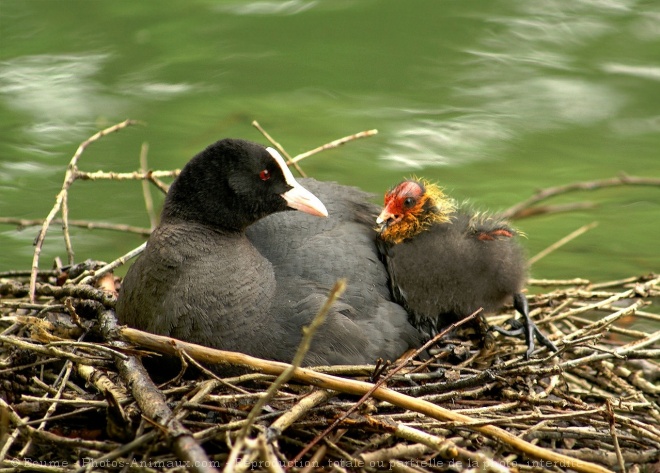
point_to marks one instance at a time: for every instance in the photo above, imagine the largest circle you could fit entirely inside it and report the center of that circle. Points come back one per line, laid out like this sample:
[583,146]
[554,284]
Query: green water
[492,99]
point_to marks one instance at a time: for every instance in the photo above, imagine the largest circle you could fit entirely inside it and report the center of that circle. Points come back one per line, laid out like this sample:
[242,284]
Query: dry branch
[571,236]
[279,147]
[286,374]
[525,208]
[154,406]
[334,144]
[61,202]
[212,356]
[22,223]
[403,363]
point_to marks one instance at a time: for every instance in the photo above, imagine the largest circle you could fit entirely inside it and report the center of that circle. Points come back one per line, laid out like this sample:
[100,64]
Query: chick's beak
[387,218]
[301,199]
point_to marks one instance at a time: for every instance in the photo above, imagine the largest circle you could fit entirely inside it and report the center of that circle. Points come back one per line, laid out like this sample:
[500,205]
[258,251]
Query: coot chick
[446,261]
[200,278]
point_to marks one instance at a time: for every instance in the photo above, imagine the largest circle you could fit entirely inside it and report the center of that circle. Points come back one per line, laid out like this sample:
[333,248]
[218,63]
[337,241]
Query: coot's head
[233,183]
[410,208]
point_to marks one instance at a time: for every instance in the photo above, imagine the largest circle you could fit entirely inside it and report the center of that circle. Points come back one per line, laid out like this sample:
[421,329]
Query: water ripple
[645,72]
[289,7]
[523,77]
[51,86]
[455,141]
[58,91]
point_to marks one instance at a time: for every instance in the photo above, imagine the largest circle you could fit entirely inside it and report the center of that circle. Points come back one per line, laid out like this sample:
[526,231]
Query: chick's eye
[409,202]
[264,175]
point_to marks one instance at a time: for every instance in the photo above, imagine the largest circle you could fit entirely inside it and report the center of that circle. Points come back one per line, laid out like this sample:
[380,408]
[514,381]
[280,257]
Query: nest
[75,396]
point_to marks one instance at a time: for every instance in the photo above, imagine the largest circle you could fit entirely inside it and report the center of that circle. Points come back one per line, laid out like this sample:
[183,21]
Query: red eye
[264,175]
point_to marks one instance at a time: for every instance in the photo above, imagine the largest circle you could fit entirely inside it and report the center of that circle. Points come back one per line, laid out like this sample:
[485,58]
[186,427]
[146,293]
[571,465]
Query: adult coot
[202,280]
[445,261]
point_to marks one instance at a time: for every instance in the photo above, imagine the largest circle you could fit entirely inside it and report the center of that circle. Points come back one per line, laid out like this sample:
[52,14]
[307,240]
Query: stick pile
[74,395]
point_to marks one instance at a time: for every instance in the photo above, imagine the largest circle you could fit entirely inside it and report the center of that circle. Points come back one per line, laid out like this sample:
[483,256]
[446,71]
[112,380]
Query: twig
[480,379]
[536,417]
[48,351]
[69,177]
[30,365]
[209,355]
[623,180]
[48,290]
[586,308]
[64,377]
[9,416]
[334,144]
[615,439]
[296,412]
[102,382]
[48,437]
[639,457]
[148,201]
[622,351]
[89,279]
[600,324]
[380,383]
[89,345]
[71,402]
[154,406]
[571,236]
[558,282]
[308,333]
[552,209]
[22,223]
[449,449]
[125,176]
[618,282]
[119,451]
[280,148]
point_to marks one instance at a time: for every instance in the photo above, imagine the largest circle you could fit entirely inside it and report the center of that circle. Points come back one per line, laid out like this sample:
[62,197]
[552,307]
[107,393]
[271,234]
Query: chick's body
[452,269]
[446,261]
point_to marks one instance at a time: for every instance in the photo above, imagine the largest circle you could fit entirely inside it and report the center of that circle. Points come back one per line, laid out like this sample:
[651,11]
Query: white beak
[298,197]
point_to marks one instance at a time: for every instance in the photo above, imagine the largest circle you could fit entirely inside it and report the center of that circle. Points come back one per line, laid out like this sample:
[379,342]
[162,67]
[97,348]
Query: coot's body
[201,279]
[309,254]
